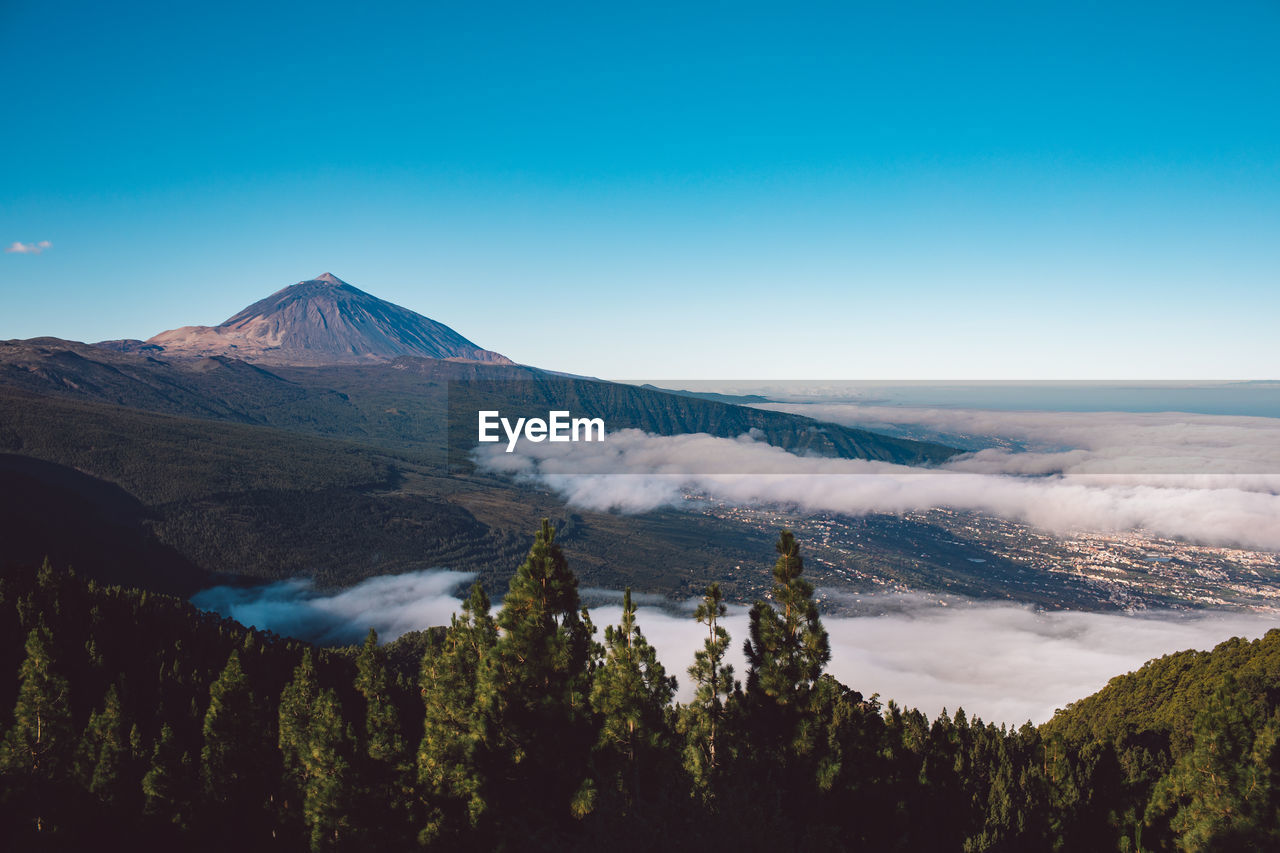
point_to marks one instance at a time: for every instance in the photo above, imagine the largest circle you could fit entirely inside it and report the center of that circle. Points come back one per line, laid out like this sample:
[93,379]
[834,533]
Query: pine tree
[386,771]
[297,705]
[232,760]
[533,692]
[383,739]
[788,647]
[786,651]
[134,766]
[103,750]
[1087,786]
[1221,793]
[327,798]
[39,742]
[630,692]
[703,718]
[167,786]
[450,755]
[36,751]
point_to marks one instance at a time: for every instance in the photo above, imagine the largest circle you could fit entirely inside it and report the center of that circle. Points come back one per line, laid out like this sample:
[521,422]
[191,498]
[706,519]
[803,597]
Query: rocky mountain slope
[322,320]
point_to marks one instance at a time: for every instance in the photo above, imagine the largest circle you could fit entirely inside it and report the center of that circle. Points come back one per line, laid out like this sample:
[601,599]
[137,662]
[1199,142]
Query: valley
[299,463]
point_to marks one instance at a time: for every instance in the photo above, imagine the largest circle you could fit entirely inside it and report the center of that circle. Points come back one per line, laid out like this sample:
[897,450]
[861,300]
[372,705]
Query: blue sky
[908,190]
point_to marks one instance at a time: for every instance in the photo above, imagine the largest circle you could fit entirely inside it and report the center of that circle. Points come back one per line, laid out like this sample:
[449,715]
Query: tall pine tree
[630,692]
[103,751]
[386,773]
[533,694]
[168,788]
[703,718]
[450,756]
[233,766]
[39,743]
[36,752]
[297,706]
[788,647]
[328,794]
[786,652]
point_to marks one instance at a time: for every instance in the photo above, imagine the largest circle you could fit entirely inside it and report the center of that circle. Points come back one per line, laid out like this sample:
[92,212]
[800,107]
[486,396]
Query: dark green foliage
[168,788]
[450,754]
[786,653]
[703,719]
[39,741]
[138,720]
[36,751]
[630,692]
[134,673]
[383,740]
[533,694]
[329,790]
[104,750]
[232,769]
[386,770]
[320,790]
[788,646]
[1220,793]
[296,710]
[1147,760]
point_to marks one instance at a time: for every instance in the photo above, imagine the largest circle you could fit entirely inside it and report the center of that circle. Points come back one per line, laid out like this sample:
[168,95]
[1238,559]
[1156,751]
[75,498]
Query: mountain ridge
[338,470]
[404,403]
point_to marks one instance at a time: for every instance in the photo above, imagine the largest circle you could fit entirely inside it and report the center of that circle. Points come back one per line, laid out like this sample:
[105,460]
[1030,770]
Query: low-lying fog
[1002,662]
[1212,478]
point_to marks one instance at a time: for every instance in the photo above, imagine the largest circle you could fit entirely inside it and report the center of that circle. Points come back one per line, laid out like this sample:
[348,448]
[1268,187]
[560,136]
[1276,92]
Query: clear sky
[685,190]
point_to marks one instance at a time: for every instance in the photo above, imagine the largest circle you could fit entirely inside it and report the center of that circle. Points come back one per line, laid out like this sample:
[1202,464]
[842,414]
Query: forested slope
[130,716]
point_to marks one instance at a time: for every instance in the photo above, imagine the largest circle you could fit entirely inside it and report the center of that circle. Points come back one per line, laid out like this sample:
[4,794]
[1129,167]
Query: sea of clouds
[1209,479]
[1213,479]
[1005,663]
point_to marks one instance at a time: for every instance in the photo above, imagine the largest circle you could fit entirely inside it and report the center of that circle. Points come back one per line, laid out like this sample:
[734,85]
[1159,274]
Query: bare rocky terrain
[322,320]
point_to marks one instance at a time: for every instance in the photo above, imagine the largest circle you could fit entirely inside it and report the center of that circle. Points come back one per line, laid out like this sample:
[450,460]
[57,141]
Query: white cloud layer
[392,604]
[1005,663]
[19,248]
[632,471]
[1211,479]
[1161,448]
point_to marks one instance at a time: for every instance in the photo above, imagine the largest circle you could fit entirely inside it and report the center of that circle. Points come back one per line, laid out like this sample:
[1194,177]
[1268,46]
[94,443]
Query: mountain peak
[324,320]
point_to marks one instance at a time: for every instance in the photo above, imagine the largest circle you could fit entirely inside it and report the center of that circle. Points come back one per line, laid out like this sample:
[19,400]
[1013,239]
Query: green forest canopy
[132,716]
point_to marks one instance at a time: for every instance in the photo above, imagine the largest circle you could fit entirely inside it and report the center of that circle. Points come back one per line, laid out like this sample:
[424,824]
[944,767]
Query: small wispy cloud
[20,248]
[393,604]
